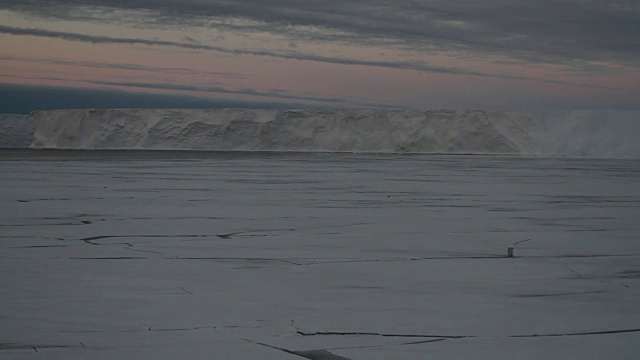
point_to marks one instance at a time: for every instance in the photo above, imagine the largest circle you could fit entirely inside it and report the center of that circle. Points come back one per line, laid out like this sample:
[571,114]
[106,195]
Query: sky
[330,54]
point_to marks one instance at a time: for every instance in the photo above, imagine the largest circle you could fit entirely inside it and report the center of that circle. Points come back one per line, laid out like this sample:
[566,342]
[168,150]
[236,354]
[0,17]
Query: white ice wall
[459,131]
[16,131]
[573,133]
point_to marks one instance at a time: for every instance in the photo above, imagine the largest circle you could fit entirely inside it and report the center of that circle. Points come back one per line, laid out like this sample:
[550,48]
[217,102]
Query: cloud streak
[419,66]
[555,31]
[122,66]
[21,99]
[274,94]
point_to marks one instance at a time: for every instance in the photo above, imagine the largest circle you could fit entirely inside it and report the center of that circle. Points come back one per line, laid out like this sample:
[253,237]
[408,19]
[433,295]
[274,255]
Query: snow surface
[611,134]
[165,255]
[16,131]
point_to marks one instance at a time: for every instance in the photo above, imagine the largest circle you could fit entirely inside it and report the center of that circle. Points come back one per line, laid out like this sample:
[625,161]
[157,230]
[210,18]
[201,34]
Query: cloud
[557,31]
[123,66]
[220,90]
[274,95]
[419,66]
[107,39]
[21,99]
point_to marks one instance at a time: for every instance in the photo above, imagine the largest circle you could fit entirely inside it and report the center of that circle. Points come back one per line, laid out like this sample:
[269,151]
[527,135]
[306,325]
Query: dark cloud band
[558,31]
[123,66]
[273,95]
[289,55]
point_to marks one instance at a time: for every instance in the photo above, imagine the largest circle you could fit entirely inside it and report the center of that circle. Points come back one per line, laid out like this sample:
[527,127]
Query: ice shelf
[581,133]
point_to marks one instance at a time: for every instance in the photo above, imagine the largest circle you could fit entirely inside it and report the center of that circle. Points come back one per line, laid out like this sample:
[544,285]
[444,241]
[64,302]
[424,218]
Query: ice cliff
[571,133]
[273,130]
[16,131]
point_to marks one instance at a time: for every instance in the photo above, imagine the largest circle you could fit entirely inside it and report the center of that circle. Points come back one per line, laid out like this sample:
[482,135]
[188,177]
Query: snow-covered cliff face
[572,133]
[273,130]
[16,131]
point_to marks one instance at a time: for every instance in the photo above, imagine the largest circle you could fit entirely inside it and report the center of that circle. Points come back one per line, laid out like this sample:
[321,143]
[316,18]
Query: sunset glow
[336,54]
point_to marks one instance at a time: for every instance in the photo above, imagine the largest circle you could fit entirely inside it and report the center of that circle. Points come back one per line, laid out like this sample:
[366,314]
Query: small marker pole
[510,251]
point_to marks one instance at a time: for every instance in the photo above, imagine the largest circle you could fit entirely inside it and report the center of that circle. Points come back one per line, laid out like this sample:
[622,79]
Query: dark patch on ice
[229,235]
[89,239]
[317,355]
[308,354]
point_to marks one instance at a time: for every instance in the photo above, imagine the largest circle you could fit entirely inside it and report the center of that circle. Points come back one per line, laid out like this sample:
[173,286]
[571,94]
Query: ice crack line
[586,333]
[38,246]
[366,333]
[90,240]
[520,242]
[580,277]
[248,259]
[148,329]
[435,336]
[34,347]
[387,345]
[183,329]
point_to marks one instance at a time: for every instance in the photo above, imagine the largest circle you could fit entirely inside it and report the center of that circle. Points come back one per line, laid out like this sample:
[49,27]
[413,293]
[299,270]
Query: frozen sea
[204,255]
